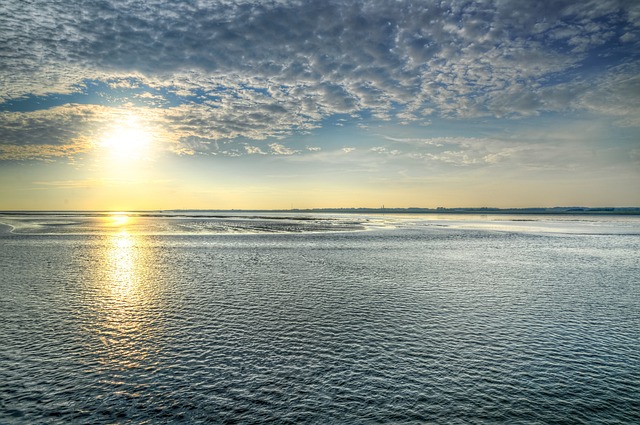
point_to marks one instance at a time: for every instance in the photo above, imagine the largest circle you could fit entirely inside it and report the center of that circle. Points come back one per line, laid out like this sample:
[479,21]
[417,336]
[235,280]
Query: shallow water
[325,319]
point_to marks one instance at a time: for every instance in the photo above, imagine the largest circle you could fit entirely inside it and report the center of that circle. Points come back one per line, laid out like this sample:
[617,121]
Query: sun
[126,141]
[119,219]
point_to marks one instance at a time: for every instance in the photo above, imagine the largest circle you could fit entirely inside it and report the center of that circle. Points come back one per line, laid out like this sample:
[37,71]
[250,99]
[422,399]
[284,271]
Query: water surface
[319,319]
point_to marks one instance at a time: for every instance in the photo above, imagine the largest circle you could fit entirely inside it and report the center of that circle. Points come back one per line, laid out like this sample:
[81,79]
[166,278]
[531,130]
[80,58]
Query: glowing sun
[128,140]
[119,219]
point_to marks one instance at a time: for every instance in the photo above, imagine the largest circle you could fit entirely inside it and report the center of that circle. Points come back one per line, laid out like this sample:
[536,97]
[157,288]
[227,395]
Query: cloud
[59,132]
[278,149]
[551,148]
[71,129]
[43,152]
[616,95]
[253,150]
[266,70]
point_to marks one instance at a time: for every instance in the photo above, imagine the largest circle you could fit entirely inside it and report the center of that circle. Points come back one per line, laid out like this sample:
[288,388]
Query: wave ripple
[412,325]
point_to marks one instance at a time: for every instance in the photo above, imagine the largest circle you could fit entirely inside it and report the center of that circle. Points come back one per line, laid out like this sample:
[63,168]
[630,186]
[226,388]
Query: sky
[247,104]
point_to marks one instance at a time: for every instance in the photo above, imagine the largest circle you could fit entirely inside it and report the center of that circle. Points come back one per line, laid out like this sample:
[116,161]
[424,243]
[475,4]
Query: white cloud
[253,150]
[551,148]
[266,70]
[278,149]
[616,95]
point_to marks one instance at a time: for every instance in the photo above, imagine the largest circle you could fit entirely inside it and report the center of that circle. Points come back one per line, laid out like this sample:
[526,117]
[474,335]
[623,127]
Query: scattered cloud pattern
[240,77]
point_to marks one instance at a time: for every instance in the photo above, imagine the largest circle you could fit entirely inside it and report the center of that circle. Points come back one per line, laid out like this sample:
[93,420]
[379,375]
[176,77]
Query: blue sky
[264,104]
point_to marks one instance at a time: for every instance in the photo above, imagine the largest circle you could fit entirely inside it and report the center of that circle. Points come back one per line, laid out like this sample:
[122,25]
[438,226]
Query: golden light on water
[124,278]
[125,293]
[124,260]
[119,219]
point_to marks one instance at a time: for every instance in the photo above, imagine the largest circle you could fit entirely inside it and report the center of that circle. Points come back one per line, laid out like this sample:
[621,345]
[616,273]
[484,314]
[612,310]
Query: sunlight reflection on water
[124,299]
[123,266]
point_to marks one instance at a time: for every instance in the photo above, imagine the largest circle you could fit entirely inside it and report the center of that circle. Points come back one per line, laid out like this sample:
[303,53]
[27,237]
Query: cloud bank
[248,70]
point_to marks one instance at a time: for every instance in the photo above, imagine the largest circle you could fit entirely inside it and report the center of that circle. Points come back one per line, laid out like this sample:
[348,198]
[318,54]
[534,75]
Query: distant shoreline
[411,210]
[482,210]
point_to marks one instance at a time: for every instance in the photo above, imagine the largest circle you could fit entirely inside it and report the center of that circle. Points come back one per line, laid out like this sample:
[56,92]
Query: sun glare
[119,219]
[128,140]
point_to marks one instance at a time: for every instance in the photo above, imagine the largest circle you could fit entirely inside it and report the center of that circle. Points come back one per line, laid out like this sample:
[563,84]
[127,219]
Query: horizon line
[532,210]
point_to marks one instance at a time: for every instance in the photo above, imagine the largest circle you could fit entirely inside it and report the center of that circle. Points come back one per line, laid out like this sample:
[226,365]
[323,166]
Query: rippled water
[204,319]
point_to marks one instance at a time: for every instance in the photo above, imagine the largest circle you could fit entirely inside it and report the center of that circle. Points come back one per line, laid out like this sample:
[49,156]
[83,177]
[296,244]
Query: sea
[304,318]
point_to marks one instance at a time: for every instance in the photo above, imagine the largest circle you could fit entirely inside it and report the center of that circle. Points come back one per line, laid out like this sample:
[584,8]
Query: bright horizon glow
[119,219]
